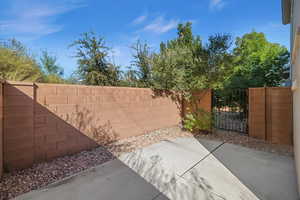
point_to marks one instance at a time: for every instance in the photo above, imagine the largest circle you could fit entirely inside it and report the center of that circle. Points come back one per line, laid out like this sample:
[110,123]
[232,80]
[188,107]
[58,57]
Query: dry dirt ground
[21,181]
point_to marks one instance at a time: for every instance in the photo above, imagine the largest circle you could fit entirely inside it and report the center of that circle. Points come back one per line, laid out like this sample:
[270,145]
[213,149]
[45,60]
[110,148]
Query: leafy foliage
[199,120]
[258,63]
[142,60]
[49,64]
[52,72]
[185,64]
[93,65]
[129,78]
[182,65]
[17,64]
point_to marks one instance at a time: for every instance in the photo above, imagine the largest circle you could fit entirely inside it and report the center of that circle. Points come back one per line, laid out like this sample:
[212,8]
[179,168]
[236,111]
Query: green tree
[52,71]
[185,64]
[258,63]
[93,65]
[17,64]
[142,60]
[129,78]
[16,46]
[171,69]
[49,64]
[216,60]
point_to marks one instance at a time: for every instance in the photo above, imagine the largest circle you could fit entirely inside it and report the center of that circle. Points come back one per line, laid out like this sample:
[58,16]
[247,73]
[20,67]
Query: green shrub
[198,121]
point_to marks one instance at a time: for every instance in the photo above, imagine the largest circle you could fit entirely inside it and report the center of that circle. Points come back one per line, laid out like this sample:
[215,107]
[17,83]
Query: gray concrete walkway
[110,181]
[269,176]
[182,169]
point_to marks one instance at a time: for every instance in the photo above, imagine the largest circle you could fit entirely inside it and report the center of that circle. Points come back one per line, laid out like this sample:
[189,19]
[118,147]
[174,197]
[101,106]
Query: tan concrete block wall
[44,121]
[18,128]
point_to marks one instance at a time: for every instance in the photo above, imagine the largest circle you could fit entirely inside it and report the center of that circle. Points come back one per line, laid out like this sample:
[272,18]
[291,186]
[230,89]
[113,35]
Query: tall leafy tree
[49,64]
[142,60]
[258,63]
[175,61]
[216,60]
[93,65]
[52,72]
[185,64]
[16,46]
[17,64]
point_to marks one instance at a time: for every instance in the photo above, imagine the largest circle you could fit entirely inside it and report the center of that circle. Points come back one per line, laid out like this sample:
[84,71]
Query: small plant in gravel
[198,121]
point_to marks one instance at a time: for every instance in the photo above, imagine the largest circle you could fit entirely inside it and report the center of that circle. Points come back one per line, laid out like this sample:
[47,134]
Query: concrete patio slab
[162,165]
[182,169]
[217,182]
[110,181]
[210,145]
[162,162]
[269,176]
[181,189]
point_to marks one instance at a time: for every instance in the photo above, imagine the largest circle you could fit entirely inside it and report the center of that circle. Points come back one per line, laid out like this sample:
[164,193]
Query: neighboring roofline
[286,11]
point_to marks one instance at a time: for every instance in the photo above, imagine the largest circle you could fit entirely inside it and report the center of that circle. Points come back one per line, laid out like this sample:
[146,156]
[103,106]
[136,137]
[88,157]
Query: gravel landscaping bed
[244,140]
[22,181]
[40,175]
[127,145]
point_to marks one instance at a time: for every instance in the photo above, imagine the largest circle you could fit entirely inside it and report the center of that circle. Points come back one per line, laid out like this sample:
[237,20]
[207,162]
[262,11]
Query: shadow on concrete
[268,175]
[169,183]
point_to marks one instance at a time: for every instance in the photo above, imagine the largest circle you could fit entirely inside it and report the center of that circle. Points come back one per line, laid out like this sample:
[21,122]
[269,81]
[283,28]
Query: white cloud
[33,19]
[23,27]
[161,25]
[216,4]
[139,19]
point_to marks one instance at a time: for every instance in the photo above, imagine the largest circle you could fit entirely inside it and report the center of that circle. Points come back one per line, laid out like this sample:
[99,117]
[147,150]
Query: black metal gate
[230,109]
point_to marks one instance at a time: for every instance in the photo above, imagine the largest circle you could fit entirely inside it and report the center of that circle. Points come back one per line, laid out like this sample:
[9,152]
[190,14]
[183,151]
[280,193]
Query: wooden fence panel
[270,114]
[268,111]
[280,116]
[257,114]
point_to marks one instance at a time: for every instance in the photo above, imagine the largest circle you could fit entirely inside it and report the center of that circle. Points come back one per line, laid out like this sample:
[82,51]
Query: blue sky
[54,24]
